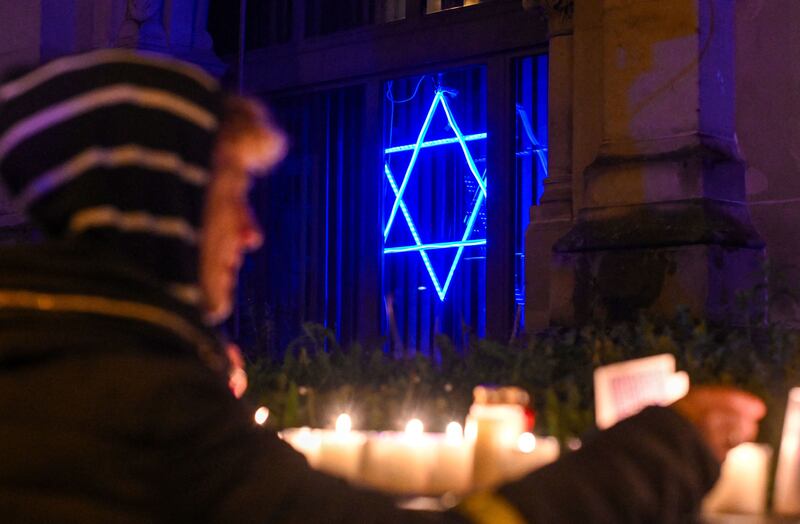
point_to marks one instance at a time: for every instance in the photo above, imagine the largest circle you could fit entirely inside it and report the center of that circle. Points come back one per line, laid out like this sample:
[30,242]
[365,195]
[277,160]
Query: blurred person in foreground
[114,399]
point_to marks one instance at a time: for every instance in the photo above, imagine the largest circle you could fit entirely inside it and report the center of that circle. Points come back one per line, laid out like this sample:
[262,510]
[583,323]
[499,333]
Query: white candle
[742,485]
[340,450]
[787,476]
[530,453]
[399,462]
[453,465]
[497,428]
[305,440]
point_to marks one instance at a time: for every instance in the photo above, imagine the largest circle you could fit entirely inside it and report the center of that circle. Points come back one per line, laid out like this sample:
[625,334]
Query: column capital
[558,13]
[663,219]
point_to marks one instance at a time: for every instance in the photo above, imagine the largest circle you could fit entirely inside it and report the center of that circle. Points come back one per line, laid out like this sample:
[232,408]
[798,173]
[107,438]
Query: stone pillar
[77,26]
[143,27]
[552,218]
[20,38]
[663,221]
[20,44]
[175,27]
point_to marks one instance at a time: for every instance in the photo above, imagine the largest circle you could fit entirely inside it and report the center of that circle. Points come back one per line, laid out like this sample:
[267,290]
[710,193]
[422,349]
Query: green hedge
[315,378]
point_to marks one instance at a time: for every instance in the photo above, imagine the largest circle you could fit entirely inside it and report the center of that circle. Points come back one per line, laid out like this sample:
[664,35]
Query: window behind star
[434,207]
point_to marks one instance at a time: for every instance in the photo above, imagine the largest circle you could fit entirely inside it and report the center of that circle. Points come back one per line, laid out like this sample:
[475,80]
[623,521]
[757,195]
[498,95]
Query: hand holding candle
[725,416]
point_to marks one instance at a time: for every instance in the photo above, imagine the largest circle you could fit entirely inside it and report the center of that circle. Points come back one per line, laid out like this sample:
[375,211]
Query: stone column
[552,218]
[175,27]
[20,44]
[143,27]
[663,221]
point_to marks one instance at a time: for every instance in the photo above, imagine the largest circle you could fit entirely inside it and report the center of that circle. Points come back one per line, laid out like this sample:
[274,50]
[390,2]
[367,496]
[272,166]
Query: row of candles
[492,447]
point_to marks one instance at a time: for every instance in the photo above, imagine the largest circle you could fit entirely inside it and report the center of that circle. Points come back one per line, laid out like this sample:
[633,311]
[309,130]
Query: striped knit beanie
[114,147]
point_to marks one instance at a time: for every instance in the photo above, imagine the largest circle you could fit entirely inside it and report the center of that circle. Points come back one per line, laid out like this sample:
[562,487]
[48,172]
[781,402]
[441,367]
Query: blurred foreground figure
[114,391]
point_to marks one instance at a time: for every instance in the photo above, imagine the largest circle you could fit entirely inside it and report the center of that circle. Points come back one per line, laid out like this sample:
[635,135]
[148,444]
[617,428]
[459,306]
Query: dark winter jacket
[114,407]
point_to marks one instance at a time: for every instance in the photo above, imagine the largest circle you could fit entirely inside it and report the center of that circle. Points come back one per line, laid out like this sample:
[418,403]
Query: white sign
[625,388]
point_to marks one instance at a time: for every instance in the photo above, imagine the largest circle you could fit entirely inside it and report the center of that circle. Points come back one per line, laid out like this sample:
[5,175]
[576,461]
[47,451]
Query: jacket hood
[114,147]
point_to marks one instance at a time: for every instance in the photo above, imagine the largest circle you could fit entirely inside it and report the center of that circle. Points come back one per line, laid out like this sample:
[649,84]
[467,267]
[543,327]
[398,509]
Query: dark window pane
[433,6]
[329,16]
[314,257]
[269,22]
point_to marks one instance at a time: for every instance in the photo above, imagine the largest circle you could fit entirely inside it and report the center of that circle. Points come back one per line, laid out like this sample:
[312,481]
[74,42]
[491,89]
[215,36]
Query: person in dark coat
[114,399]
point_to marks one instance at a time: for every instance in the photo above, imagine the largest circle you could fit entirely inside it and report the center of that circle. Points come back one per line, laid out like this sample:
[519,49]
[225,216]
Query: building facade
[656,145]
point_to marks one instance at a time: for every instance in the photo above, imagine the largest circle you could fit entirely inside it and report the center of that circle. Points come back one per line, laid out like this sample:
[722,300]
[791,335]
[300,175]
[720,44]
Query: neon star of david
[399,191]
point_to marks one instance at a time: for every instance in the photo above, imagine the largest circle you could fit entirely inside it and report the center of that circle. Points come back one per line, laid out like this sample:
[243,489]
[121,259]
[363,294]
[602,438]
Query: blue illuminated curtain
[442,199]
[530,89]
[319,215]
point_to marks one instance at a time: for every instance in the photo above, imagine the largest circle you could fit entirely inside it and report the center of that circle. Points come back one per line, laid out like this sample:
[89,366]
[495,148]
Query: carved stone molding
[557,12]
[143,25]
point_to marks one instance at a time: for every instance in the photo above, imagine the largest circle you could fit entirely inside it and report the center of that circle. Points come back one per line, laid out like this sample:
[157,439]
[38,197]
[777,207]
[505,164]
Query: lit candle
[496,428]
[787,476]
[452,469]
[529,454]
[414,428]
[305,440]
[340,450]
[261,415]
[742,484]
[399,462]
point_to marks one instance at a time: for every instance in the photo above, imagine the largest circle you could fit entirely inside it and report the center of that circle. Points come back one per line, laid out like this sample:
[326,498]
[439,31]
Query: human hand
[725,416]
[237,378]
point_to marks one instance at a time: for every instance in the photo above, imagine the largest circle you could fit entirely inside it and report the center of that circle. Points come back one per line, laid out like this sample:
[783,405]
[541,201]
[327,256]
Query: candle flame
[526,442]
[454,433]
[261,416]
[344,423]
[414,428]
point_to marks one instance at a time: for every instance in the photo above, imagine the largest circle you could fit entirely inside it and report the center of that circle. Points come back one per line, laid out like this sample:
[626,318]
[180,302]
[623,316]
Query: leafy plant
[315,378]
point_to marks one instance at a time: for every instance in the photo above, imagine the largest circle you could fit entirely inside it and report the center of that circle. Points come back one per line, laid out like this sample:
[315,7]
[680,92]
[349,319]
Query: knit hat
[114,147]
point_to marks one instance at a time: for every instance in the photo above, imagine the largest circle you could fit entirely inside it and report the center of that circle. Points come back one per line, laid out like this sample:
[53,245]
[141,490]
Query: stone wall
[20,41]
[685,142]
[768,128]
[32,31]
[19,33]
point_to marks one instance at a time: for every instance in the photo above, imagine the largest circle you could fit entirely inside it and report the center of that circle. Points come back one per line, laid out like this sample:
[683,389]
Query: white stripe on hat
[127,155]
[132,221]
[103,56]
[106,96]
[186,293]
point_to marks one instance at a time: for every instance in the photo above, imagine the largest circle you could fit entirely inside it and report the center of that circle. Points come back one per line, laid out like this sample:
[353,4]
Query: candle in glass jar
[497,428]
[530,453]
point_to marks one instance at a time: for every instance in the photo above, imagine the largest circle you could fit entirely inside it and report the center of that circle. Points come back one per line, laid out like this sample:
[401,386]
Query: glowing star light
[399,190]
